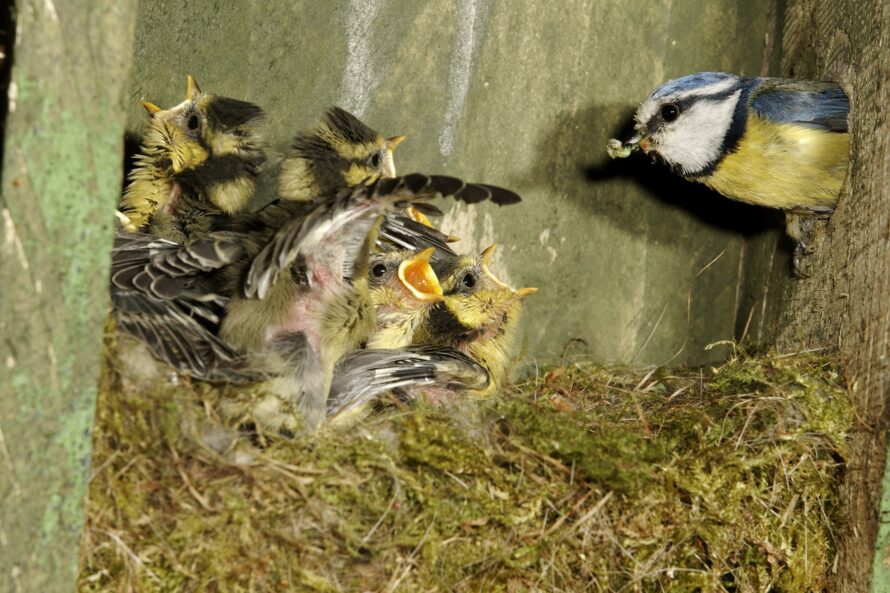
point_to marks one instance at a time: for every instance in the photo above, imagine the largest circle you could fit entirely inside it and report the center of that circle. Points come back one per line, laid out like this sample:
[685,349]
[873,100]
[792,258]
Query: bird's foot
[124,221]
[262,416]
[800,250]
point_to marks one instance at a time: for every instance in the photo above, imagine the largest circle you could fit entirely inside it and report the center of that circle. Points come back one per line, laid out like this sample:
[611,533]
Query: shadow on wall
[645,199]
[589,166]
[132,142]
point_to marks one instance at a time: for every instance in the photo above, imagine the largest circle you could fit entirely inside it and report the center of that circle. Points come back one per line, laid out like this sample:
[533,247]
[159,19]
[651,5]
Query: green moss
[588,479]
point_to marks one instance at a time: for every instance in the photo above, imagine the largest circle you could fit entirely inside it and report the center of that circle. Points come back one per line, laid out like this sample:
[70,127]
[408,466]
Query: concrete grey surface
[634,266]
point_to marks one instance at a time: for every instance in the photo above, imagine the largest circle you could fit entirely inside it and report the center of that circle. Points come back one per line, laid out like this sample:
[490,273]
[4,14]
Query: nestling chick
[766,141]
[403,288]
[198,159]
[477,316]
[296,314]
[301,300]
[339,152]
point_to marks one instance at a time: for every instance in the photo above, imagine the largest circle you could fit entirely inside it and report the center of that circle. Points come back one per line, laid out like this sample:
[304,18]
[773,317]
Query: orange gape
[418,274]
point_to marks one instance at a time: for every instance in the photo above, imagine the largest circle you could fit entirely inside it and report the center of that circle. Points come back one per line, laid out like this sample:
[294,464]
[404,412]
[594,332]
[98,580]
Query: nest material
[587,479]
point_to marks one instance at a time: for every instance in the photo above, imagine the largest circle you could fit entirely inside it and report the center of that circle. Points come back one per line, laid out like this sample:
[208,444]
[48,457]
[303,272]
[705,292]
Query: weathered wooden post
[845,304]
[61,178]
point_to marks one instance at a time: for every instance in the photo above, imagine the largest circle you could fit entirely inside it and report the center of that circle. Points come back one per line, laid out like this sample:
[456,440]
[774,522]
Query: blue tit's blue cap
[691,82]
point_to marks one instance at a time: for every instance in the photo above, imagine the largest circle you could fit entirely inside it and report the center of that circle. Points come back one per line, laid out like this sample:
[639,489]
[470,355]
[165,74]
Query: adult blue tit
[198,159]
[765,141]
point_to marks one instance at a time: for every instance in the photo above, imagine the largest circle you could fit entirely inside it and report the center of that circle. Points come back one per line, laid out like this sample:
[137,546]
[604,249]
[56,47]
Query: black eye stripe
[688,101]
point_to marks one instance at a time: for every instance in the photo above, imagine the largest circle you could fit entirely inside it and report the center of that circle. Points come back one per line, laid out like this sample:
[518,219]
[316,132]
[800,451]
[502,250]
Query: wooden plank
[61,178]
[845,303]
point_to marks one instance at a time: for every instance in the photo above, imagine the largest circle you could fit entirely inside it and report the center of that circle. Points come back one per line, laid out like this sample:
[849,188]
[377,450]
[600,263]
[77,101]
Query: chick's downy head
[403,288]
[205,125]
[339,152]
[213,144]
[478,315]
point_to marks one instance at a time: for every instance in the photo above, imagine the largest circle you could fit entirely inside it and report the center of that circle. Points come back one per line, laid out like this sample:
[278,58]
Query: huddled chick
[460,346]
[198,160]
[404,287]
[478,315]
[341,151]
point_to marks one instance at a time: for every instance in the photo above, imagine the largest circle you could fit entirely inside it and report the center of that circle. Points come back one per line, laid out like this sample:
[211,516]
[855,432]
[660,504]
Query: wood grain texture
[60,181]
[845,304]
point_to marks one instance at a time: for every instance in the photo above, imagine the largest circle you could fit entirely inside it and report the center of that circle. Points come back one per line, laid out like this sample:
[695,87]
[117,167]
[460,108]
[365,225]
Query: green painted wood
[881,566]
[60,181]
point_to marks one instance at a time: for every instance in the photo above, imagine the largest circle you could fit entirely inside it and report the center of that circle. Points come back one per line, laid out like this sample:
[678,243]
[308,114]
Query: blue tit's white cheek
[694,141]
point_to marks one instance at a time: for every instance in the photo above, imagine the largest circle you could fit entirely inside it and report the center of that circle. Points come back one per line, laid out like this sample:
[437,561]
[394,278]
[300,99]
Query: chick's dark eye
[193,122]
[469,280]
[375,159]
[669,112]
[378,270]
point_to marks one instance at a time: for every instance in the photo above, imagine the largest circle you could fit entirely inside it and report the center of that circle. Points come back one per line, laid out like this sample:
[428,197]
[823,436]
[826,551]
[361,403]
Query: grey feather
[157,296]
[365,375]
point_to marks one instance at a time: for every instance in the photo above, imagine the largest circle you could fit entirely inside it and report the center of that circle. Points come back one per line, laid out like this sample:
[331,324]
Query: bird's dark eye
[193,122]
[375,159]
[669,111]
[379,270]
[469,280]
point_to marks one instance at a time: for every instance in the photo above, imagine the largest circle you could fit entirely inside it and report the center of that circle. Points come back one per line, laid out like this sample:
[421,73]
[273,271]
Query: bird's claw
[800,250]
[124,221]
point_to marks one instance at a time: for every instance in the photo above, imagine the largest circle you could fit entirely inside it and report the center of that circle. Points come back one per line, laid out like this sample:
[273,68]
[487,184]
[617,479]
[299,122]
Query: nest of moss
[586,479]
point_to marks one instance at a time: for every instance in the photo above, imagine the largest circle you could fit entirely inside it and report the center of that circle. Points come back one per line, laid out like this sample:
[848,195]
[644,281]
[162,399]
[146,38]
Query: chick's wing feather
[366,374]
[162,269]
[365,201]
[155,297]
[400,232]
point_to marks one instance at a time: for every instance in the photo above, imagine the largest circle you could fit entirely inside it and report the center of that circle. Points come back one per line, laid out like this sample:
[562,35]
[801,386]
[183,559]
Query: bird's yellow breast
[783,166]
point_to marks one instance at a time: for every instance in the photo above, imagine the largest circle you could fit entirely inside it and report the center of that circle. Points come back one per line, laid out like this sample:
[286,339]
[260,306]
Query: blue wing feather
[825,106]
